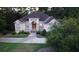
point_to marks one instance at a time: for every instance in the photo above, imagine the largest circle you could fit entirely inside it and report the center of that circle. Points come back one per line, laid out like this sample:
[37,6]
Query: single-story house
[36,21]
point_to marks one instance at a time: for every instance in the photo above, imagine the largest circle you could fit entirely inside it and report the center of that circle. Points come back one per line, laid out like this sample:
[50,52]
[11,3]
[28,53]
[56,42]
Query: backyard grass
[18,47]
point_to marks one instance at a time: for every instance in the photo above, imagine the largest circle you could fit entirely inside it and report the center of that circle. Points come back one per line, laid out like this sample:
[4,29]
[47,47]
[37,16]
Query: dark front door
[33,26]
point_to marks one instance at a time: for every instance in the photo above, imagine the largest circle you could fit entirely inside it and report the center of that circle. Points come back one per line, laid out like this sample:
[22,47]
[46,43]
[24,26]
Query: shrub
[22,32]
[38,32]
[65,37]
[5,32]
[43,33]
[13,33]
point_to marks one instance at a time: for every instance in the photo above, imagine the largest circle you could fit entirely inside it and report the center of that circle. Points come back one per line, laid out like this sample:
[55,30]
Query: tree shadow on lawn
[24,47]
[20,47]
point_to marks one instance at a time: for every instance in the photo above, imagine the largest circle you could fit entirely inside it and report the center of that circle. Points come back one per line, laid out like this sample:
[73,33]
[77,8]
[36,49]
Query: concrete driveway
[32,38]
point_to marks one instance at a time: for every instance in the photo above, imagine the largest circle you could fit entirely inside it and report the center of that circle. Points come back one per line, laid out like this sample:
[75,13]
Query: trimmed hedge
[22,32]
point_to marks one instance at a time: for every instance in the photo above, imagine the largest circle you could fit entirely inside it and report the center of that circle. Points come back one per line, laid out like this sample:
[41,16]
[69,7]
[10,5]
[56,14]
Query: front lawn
[5,47]
[18,47]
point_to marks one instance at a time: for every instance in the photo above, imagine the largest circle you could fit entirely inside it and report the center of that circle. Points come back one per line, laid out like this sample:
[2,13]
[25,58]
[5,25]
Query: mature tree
[8,16]
[43,9]
[61,12]
[21,10]
[66,36]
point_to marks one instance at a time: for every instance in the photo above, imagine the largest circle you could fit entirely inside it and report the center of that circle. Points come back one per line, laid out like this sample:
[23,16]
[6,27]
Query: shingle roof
[49,19]
[40,15]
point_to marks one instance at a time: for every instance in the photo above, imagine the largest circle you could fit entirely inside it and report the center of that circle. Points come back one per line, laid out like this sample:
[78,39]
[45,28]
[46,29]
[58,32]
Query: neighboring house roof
[41,15]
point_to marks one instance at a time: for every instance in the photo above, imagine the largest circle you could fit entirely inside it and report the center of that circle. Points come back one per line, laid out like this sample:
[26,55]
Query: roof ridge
[47,19]
[43,16]
[51,17]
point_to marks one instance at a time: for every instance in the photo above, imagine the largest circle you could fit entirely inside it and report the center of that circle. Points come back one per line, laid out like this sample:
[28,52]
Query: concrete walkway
[32,38]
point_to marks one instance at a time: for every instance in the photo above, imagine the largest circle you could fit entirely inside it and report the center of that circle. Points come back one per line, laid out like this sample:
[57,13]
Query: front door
[33,26]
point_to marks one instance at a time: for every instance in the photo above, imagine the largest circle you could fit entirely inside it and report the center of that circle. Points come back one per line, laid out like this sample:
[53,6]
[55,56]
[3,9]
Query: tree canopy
[61,12]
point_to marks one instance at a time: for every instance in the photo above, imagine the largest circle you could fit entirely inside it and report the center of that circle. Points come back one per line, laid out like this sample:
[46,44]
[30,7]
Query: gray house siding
[27,26]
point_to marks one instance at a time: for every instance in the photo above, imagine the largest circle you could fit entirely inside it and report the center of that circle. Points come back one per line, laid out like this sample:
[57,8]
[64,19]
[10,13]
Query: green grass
[5,47]
[18,47]
[38,46]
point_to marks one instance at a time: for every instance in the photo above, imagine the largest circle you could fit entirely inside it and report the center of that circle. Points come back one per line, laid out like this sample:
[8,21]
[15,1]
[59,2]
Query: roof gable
[49,19]
[42,16]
